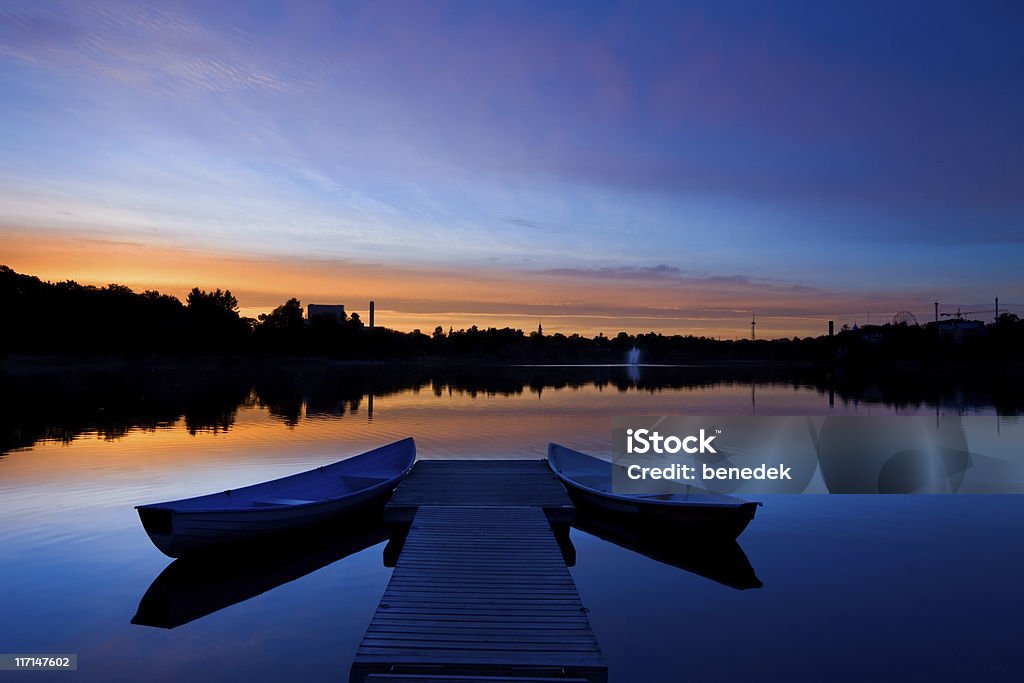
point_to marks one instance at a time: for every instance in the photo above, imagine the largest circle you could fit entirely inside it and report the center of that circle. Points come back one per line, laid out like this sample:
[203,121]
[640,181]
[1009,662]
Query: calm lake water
[854,587]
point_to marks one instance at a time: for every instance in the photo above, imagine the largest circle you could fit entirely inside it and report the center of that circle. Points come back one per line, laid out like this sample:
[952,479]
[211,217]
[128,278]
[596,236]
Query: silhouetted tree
[202,301]
[287,316]
[214,319]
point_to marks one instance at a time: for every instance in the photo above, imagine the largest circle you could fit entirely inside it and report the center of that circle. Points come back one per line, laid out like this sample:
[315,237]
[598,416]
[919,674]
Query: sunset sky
[595,166]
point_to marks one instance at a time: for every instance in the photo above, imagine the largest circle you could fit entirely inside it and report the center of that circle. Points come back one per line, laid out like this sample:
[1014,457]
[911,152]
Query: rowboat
[190,525]
[695,511]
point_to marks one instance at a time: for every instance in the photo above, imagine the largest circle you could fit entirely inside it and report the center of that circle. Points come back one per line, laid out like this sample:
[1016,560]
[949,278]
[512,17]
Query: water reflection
[720,559]
[112,401]
[191,588]
[76,560]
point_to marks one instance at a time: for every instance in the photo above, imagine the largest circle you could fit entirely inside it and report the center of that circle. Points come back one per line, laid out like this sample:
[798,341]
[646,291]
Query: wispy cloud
[681,277]
[527,223]
[147,47]
[658,272]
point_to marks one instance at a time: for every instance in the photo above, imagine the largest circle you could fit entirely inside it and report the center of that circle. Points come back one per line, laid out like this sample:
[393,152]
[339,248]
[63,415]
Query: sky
[591,166]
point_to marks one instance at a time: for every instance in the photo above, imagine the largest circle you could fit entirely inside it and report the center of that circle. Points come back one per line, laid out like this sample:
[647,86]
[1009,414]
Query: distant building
[959,330]
[335,312]
[872,334]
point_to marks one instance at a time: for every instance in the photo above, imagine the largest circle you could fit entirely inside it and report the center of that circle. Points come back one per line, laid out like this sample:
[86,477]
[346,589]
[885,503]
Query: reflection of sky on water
[840,573]
[855,588]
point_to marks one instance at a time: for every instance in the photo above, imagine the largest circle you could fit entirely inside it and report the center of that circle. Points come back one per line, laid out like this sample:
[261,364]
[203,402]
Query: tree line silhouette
[70,318]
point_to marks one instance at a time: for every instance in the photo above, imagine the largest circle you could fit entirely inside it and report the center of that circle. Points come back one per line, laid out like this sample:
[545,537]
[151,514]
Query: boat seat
[273,502]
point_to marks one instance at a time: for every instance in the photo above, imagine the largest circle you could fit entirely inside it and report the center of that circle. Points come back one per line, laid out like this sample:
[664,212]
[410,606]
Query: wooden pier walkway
[480,590]
[474,483]
[411,678]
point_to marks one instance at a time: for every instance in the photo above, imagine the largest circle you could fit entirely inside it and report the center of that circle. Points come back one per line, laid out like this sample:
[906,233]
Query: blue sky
[823,159]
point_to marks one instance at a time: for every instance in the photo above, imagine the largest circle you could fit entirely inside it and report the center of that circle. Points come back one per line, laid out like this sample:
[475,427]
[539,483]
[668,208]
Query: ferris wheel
[904,318]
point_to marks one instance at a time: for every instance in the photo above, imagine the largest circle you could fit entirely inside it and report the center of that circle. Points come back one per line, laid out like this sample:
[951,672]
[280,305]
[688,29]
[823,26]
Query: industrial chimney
[371,315]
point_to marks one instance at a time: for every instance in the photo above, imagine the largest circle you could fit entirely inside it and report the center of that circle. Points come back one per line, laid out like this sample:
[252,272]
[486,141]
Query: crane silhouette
[959,315]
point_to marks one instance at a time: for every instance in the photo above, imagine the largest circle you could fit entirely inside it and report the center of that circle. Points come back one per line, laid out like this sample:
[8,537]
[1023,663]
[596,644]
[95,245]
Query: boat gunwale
[626,498]
[393,481]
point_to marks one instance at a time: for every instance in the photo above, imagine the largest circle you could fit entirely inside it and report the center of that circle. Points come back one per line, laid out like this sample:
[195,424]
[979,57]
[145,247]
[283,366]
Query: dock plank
[480,591]
[480,483]
[404,678]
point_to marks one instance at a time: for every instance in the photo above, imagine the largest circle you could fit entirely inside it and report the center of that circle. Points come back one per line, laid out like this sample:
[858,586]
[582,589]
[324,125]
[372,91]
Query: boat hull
[191,588]
[704,521]
[695,514]
[249,515]
[178,534]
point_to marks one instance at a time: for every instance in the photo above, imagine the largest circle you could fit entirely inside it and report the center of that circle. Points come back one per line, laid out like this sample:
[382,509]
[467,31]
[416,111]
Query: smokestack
[997,309]
[371,315]
[831,328]
[936,311]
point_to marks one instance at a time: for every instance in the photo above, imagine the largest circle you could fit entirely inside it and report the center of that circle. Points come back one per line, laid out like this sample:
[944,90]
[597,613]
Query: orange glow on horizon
[418,297]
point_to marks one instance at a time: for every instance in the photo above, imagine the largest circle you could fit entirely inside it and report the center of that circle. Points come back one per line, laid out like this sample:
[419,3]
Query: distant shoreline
[66,325]
[45,363]
[27,364]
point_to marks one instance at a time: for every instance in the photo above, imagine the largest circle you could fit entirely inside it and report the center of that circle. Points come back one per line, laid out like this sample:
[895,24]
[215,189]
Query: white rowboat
[695,511]
[181,527]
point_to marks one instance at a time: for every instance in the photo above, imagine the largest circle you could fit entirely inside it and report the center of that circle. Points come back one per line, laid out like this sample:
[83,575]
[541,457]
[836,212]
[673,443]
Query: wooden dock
[475,483]
[480,591]
[412,678]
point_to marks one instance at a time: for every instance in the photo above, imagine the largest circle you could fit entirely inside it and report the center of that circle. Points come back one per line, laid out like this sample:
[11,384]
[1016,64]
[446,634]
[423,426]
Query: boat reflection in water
[193,587]
[720,559]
